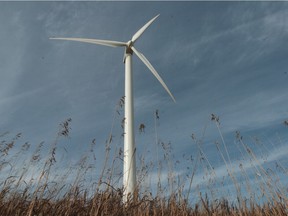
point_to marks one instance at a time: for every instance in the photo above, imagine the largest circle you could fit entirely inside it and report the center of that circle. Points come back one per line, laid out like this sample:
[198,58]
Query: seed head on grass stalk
[42,186]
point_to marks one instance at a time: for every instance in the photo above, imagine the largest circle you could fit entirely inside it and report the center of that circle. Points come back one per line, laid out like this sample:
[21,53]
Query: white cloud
[258,110]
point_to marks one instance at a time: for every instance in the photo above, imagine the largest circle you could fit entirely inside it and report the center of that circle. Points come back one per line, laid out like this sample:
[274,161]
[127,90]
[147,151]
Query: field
[31,187]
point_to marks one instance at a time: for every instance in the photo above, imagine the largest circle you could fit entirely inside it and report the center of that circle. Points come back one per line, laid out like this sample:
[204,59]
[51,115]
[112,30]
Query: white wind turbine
[129,169]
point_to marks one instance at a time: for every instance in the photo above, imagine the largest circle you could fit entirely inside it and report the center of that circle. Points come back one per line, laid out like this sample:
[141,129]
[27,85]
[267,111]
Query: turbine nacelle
[128,49]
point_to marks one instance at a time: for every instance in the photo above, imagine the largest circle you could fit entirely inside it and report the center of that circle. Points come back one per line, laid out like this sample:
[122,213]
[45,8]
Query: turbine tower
[129,169]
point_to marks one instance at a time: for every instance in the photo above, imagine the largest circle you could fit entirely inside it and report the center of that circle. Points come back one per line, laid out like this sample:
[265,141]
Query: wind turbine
[129,169]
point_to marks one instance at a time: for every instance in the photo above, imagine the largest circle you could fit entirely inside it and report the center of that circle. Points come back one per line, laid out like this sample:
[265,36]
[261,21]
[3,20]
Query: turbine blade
[152,69]
[94,41]
[140,31]
[124,56]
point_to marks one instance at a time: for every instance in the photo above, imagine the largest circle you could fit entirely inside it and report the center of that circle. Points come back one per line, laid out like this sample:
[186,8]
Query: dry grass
[43,195]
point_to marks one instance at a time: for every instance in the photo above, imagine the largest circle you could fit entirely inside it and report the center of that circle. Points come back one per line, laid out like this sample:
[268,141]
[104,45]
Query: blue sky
[225,58]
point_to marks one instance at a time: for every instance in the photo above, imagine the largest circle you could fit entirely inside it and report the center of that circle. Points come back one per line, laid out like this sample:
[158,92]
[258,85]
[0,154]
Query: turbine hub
[130,44]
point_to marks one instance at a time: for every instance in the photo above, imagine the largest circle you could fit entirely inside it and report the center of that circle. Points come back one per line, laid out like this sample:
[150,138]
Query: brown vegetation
[43,196]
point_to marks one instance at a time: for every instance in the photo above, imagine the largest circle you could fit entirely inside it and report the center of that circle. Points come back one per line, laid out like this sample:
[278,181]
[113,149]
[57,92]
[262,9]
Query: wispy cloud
[243,165]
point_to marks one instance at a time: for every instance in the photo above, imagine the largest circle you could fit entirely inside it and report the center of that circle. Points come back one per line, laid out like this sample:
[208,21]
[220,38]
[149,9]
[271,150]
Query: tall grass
[32,186]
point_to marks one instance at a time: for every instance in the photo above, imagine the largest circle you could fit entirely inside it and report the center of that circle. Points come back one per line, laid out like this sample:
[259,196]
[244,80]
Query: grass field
[29,185]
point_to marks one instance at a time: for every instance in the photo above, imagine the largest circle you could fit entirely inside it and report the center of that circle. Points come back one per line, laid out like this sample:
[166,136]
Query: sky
[223,58]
